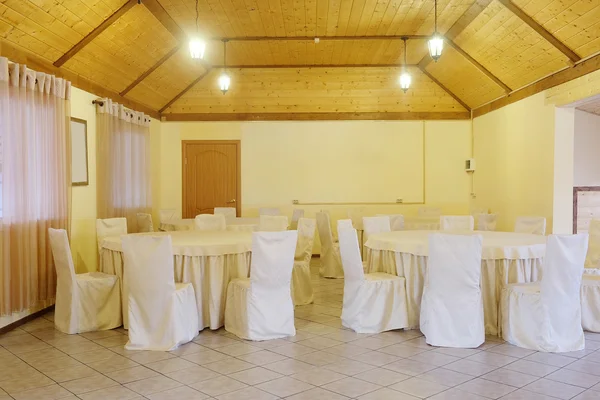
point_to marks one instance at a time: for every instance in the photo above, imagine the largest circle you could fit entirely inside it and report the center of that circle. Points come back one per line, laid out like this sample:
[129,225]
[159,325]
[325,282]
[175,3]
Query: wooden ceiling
[497,51]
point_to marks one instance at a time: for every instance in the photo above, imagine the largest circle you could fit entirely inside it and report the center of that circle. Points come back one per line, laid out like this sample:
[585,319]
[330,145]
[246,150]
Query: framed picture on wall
[79,152]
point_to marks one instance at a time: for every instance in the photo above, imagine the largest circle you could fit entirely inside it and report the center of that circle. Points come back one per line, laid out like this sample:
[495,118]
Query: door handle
[231,201]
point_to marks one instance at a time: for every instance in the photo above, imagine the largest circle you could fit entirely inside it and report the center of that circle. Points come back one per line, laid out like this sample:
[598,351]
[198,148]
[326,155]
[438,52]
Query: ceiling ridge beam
[560,46]
[150,70]
[450,92]
[184,91]
[304,66]
[321,38]
[317,116]
[94,33]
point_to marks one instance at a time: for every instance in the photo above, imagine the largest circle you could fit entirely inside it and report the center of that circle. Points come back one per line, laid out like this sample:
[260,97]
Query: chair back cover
[592,259]
[560,288]
[144,222]
[356,215]
[324,228]
[269,211]
[272,223]
[296,215]
[532,225]
[228,212]
[351,260]
[66,292]
[430,212]
[344,224]
[110,227]
[457,223]
[373,225]
[306,238]
[210,222]
[167,214]
[396,221]
[486,222]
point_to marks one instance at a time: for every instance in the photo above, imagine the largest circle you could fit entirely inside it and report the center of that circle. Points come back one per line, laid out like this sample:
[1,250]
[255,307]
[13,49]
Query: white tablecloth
[506,258]
[236,224]
[207,260]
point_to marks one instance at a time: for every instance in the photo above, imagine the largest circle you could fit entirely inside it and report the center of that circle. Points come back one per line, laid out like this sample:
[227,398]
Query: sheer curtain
[123,162]
[36,181]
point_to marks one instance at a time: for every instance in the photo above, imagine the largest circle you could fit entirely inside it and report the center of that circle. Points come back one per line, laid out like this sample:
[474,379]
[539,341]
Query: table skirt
[495,274]
[209,275]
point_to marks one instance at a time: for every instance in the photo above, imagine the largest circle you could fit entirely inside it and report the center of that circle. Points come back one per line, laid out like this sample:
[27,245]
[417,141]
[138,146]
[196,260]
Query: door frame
[185,143]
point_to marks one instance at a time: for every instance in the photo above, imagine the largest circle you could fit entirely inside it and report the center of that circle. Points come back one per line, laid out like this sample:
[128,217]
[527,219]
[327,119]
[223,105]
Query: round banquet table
[234,224]
[507,257]
[208,260]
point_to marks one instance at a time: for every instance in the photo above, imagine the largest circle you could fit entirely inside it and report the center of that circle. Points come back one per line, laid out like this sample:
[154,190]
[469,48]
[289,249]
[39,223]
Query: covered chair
[452,303]
[260,307]
[162,314]
[84,302]
[487,222]
[396,221]
[272,223]
[210,222]
[592,258]
[344,224]
[228,212]
[331,263]
[457,223]
[532,225]
[269,211]
[110,227]
[373,225]
[302,291]
[167,214]
[590,302]
[144,222]
[372,303]
[296,215]
[546,315]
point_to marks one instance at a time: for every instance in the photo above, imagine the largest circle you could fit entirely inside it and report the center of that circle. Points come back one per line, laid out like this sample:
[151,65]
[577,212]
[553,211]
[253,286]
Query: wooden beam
[93,34]
[305,66]
[541,30]
[35,62]
[149,71]
[583,68]
[165,19]
[326,116]
[321,38]
[184,91]
[480,67]
[455,97]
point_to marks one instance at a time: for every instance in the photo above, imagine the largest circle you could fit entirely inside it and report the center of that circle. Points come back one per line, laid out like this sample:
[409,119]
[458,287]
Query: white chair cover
[228,212]
[302,291]
[430,212]
[592,258]
[375,225]
[167,214]
[487,222]
[84,302]
[452,303]
[110,227]
[457,223]
[296,215]
[162,314]
[546,315]
[590,303]
[373,303]
[344,224]
[331,263]
[269,211]
[532,225]
[396,221]
[261,308]
[144,222]
[210,222]
[271,223]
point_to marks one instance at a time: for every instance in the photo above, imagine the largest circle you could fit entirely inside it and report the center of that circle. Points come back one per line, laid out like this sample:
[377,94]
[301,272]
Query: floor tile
[349,367]
[401,350]
[419,387]
[288,367]
[482,387]
[470,367]
[521,394]
[386,394]
[132,374]
[89,384]
[382,377]
[445,377]
[531,368]
[509,350]
[261,357]
[227,367]
[153,385]
[457,394]
[49,392]
[575,378]
[494,359]
[509,377]
[178,393]
[433,358]
[254,376]
[147,357]
[113,392]
[71,373]
[284,387]
[554,389]
[249,393]
[320,358]
[351,387]
[171,365]
[206,357]
[375,358]
[409,367]
[192,375]
[238,349]
[589,367]
[217,386]
[555,360]
[317,394]
[318,376]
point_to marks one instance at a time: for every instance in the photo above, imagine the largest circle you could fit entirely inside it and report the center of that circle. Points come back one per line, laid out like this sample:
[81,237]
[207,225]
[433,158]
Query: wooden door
[211,176]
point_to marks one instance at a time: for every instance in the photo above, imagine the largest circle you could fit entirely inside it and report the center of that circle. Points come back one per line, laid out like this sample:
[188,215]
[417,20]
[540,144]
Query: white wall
[587,149]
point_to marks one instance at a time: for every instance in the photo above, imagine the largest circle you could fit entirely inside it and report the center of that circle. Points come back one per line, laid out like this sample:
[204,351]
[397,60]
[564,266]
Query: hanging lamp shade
[224,82]
[197,48]
[405,81]
[436,46]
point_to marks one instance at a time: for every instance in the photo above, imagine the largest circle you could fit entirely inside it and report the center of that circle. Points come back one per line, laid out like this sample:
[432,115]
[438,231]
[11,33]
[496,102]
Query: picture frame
[79,153]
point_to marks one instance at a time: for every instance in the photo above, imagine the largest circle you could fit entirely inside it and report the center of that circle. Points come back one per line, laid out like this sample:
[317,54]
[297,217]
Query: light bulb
[436,45]
[405,81]
[224,82]
[197,48]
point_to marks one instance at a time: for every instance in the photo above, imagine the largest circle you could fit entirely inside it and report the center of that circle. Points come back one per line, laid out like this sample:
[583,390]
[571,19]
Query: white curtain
[35,149]
[123,162]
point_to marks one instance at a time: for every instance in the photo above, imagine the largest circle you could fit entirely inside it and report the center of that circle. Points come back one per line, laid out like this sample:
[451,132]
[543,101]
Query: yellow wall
[514,149]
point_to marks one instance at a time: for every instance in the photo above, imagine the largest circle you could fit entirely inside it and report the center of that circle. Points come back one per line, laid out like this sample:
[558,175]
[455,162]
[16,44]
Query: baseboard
[24,320]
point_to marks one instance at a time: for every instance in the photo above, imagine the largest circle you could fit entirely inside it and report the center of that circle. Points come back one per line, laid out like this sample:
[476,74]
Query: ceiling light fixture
[197,46]
[224,79]
[405,78]
[436,43]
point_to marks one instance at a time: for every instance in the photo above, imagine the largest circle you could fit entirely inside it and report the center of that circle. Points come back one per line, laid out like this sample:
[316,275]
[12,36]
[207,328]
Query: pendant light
[224,79]
[197,46]
[405,78]
[436,43]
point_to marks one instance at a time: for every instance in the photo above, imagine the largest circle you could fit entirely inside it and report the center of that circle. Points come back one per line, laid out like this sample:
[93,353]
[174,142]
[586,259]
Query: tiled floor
[323,361]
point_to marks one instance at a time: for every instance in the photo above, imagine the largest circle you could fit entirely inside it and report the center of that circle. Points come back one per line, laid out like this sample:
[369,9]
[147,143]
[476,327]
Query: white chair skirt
[302,290]
[590,303]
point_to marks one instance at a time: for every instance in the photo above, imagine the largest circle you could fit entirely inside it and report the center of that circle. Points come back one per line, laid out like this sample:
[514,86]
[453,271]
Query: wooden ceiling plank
[541,30]
[479,66]
[150,70]
[93,34]
[184,91]
[321,38]
[455,97]
[165,19]
[322,116]
[305,66]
